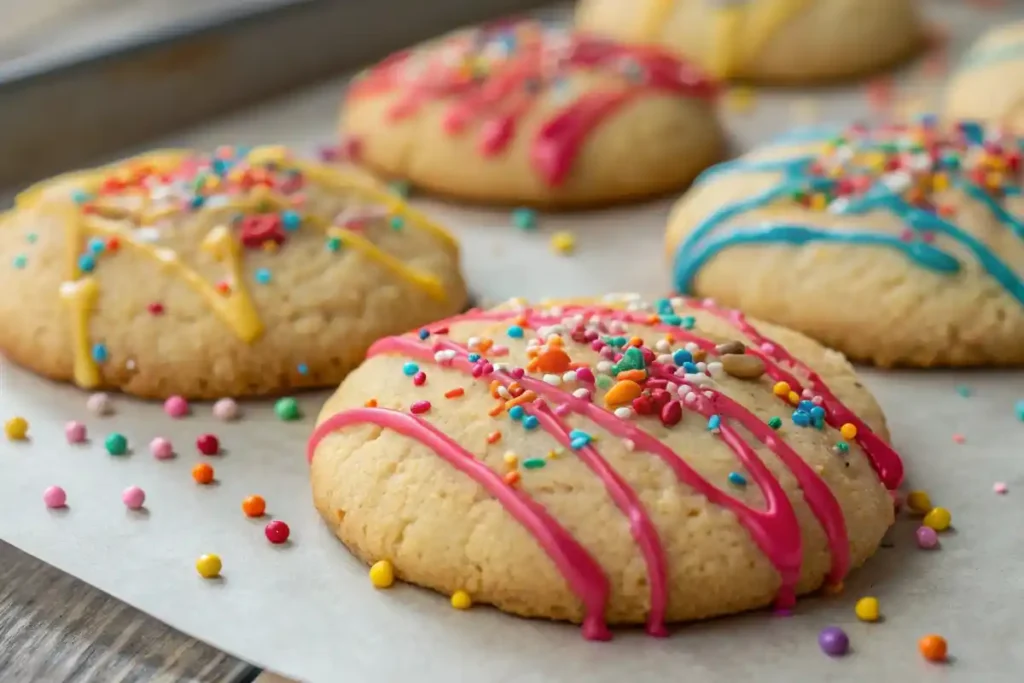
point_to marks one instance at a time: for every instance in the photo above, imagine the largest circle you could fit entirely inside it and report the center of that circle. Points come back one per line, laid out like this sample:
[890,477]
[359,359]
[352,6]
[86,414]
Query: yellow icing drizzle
[233,306]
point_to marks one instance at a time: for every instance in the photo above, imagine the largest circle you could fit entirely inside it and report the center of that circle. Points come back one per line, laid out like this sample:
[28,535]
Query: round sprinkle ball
[933,648]
[277,532]
[133,497]
[176,406]
[382,574]
[16,428]
[202,473]
[55,497]
[461,600]
[208,444]
[116,444]
[161,448]
[938,519]
[99,404]
[254,506]
[867,609]
[927,538]
[209,566]
[225,409]
[74,432]
[287,409]
[833,641]
[919,502]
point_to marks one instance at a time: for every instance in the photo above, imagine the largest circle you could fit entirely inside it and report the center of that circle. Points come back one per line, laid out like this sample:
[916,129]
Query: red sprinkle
[454,393]
[277,532]
[959,438]
[671,413]
[156,308]
[493,437]
[420,378]
[208,444]
[419,407]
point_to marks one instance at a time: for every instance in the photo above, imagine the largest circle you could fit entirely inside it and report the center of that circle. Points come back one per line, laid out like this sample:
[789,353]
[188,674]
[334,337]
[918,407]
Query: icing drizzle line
[265,185]
[493,76]
[845,179]
[775,529]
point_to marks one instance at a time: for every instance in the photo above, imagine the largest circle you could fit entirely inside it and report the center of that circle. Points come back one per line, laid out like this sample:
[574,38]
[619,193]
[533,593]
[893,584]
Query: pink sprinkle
[75,432]
[927,538]
[585,375]
[1000,488]
[176,406]
[959,438]
[161,448]
[608,352]
[499,351]
[133,497]
[808,394]
[225,409]
[561,410]
[477,370]
[55,497]
[420,378]
[99,404]
[420,407]
[768,348]
[817,400]
[517,373]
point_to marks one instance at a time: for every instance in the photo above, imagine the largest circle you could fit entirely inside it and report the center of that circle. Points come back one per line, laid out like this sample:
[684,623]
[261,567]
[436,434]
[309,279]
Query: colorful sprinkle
[1000,488]
[209,566]
[737,479]
[419,407]
[833,641]
[927,538]
[100,353]
[208,444]
[919,502]
[959,438]
[16,429]
[867,609]
[848,431]
[263,276]
[563,243]
[287,409]
[531,422]
[515,331]
[75,432]
[938,519]
[454,393]
[203,473]
[20,261]
[55,497]
[116,444]
[277,532]
[534,463]
[133,498]
[225,409]
[410,369]
[933,648]
[254,506]
[161,449]
[524,218]
[775,423]
[714,423]
[461,600]
[964,391]
[176,407]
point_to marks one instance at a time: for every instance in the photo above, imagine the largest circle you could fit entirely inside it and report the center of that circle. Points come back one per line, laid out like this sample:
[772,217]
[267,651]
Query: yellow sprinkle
[461,600]
[938,519]
[867,609]
[848,431]
[16,428]
[741,99]
[554,454]
[940,182]
[819,202]
[382,574]
[781,389]
[563,243]
[209,566]
[794,397]
[919,502]
[511,459]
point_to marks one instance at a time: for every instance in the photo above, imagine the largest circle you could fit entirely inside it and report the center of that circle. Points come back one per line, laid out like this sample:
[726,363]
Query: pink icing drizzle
[775,529]
[504,95]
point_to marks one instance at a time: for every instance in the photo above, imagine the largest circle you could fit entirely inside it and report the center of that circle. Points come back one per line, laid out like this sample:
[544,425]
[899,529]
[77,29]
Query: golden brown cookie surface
[988,85]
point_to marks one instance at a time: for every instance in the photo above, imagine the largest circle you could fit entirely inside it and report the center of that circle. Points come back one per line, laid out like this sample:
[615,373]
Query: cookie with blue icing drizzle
[988,84]
[899,245]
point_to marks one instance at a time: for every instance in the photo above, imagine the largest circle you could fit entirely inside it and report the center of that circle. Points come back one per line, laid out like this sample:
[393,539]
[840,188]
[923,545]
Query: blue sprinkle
[714,422]
[397,222]
[664,307]
[805,406]
[819,422]
[818,413]
[291,220]
[197,201]
[96,245]
[579,443]
[530,421]
[515,332]
[682,356]
[99,353]
[473,357]
[688,322]
[737,479]
[410,369]
[516,412]
[303,369]
[579,438]
[801,419]
[20,261]
[86,263]
[671,319]
[690,368]
[80,197]
[424,333]
[524,219]
[219,166]
[263,276]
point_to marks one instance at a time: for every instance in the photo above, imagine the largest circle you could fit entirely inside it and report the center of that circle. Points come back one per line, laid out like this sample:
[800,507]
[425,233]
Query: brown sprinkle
[742,366]
[730,347]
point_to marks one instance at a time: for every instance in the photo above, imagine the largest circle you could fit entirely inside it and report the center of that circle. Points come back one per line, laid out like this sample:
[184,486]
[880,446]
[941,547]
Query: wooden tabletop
[53,627]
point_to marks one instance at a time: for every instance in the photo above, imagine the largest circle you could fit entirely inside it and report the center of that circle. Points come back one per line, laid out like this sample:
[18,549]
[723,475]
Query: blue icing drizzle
[700,247]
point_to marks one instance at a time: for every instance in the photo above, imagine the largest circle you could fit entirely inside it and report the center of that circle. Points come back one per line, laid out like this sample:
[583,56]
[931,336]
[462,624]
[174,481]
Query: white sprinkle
[702,366]
[553,380]
[690,397]
[662,346]
[807,393]
[629,445]
[582,393]
[532,343]
[623,413]
[698,379]
[604,367]
[501,367]
[503,392]
[714,369]
[166,255]
[664,359]
[147,234]
[130,364]
[709,394]
[569,376]
[473,342]
[692,347]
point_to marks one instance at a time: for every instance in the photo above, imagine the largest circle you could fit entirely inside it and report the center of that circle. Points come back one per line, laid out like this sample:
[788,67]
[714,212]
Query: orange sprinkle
[202,473]
[512,478]
[533,365]
[933,648]
[372,403]
[576,365]
[494,437]
[623,392]
[521,320]
[454,393]
[223,287]
[555,341]
[653,319]
[495,384]
[515,388]
[498,409]
[670,338]
[699,355]
[485,345]
[532,353]
[632,375]
[554,360]
[636,341]
[525,397]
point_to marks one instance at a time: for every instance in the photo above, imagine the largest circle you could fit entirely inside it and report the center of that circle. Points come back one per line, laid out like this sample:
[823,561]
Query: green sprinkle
[775,423]
[397,222]
[116,444]
[1020,410]
[334,244]
[842,448]
[964,391]
[400,187]
[31,238]
[287,409]
[534,463]
[604,382]
[524,219]
[20,261]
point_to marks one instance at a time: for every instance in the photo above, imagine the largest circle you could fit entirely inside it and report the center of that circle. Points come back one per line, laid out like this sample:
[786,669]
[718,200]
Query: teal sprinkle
[20,261]
[632,359]
[964,391]
[400,187]
[671,319]
[397,222]
[263,276]
[515,331]
[524,219]
[86,263]
[516,412]
[604,382]
[80,197]
[842,448]
[534,463]
[303,369]
[31,238]
[291,220]
[714,422]
[99,353]
[1020,410]
[737,479]
[688,322]
[775,423]
[333,244]
[96,245]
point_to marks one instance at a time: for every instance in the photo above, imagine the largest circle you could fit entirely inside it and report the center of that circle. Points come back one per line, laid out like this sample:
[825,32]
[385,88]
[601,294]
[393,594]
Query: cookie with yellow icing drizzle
[241,272]
[607,462]
[783,41]
[988,84]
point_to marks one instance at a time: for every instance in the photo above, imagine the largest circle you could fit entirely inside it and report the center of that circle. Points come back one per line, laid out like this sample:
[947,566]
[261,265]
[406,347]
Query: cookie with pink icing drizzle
[607,462]
[520,113]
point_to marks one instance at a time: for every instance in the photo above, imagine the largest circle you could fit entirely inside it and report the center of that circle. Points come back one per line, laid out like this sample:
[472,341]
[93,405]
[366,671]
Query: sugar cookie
[897,245]
[988,85]
[607,462]
[767,40]
[237,273]
[518,113]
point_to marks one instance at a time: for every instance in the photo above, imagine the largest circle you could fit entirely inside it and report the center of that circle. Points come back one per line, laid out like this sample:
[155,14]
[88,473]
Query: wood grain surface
[55,628]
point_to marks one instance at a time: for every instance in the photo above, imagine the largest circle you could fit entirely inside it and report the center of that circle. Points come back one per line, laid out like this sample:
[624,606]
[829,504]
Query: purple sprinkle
[833,641]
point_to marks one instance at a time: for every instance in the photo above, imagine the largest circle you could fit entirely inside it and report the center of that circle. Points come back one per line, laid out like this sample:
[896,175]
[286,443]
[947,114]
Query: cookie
[238,273]
[897,245]
[770,41]
[607,462]
[521,114]
[988,85]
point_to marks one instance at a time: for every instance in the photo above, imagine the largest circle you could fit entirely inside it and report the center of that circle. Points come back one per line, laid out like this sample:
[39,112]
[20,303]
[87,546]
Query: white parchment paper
[307,609]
